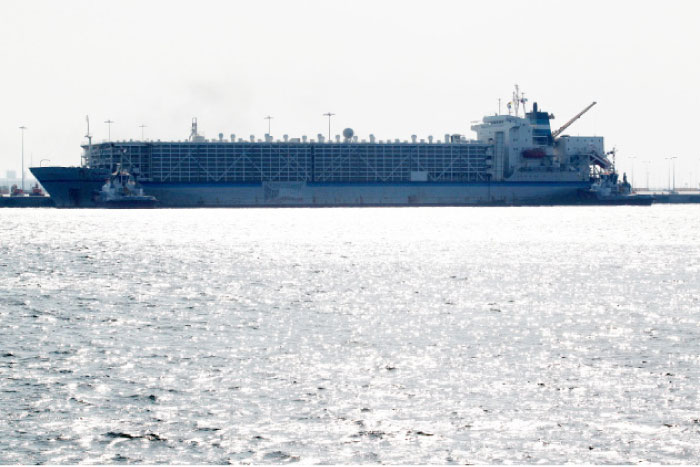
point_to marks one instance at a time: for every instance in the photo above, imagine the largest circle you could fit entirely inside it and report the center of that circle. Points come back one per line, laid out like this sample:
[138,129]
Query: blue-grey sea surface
[408,335]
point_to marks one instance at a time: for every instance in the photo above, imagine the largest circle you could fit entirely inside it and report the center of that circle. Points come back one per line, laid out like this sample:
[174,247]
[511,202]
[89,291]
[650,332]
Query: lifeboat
[535,153]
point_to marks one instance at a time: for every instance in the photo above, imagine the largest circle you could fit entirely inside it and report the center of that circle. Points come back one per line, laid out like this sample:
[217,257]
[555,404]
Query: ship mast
[86,157]
[518,98]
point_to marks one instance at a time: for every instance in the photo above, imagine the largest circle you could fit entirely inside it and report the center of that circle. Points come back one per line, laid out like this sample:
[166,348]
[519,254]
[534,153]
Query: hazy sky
[388,68]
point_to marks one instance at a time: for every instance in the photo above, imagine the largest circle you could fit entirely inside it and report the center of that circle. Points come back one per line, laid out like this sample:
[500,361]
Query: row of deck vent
[321,139]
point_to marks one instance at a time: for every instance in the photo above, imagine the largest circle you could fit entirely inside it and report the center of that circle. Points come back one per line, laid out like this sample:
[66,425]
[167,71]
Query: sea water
[407,335]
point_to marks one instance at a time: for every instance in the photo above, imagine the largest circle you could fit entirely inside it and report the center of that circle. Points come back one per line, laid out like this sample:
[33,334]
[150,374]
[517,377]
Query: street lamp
[109,129]
[142,126]
[23,128]
[329,115]
[268,118]
[673,159]
[647,162]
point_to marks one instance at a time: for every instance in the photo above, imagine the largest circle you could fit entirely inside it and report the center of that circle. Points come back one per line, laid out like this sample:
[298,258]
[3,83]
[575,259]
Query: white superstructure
[526,149]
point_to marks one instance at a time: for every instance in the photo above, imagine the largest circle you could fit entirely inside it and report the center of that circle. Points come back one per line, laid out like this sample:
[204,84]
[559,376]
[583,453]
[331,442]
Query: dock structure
[680,196]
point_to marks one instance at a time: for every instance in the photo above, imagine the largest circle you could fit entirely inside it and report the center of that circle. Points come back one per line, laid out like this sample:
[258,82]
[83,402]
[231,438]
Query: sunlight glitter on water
[430,335]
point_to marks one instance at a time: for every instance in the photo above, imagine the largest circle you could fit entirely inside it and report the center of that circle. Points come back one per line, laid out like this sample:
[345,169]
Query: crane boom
[568,124]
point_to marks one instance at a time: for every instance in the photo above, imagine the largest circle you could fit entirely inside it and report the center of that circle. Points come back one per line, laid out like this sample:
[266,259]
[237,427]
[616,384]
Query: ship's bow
[71,187]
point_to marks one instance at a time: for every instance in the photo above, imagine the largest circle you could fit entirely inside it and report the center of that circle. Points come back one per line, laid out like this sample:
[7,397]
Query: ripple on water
[436,335]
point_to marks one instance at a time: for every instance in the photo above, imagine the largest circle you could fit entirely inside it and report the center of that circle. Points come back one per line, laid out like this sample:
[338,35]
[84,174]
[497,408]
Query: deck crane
[568,124]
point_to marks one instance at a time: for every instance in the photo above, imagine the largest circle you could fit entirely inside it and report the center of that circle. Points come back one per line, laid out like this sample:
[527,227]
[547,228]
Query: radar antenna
[518,98]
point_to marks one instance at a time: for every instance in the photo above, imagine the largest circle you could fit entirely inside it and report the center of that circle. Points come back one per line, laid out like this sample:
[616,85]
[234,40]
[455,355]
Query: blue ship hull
[71,187]
[75,187]
[278,194]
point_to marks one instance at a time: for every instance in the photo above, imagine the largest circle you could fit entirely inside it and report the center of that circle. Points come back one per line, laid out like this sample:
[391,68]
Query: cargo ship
[514,160]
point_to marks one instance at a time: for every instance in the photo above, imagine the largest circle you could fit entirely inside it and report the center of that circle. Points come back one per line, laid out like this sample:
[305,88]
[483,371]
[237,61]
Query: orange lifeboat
[535,153]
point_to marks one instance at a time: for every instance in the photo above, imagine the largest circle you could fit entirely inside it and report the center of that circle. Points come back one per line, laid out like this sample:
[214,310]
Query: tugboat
[606,189]
[122,191]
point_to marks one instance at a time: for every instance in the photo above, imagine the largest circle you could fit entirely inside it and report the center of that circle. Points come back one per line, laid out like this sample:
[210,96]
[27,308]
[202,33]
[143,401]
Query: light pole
[632,178]
[669,172]
[647,162]
[268,118]
[329,115]
[109,129]
[142,126]
[22,128]
[673,162]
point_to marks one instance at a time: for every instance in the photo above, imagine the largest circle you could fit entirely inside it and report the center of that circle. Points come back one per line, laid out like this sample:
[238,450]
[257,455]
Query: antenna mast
[519,98]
